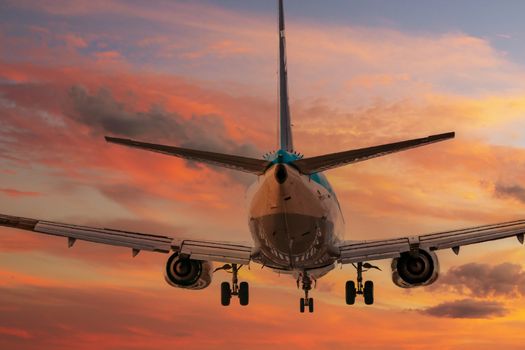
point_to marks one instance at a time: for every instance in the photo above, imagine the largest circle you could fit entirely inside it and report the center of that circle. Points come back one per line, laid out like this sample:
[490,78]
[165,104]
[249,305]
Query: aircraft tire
[350,292]
[368,292]
[244,293]
[226,293]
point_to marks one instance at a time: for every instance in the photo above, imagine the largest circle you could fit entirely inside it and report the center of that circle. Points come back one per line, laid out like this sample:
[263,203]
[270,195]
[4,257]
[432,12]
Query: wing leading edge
[229,252]
[246,164]
[359,251]
[317,164]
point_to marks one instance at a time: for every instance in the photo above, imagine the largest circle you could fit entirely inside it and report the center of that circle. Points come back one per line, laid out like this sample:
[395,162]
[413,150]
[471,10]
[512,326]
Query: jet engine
[414,269]
[188,273]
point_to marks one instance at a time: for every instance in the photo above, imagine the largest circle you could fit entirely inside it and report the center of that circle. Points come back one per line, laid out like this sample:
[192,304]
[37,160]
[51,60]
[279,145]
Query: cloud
[104,114]
[15,332]
[112,54]
[75,41]
[17,193]
[467,308]
[516,192]
[483,280]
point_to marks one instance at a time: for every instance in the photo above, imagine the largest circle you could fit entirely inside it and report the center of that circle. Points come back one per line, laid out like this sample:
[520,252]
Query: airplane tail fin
[334,160]
[285,124]
[246,164]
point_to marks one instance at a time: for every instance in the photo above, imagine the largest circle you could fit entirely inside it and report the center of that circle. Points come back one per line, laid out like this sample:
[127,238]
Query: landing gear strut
[306,282]
[241,290]
[366,289]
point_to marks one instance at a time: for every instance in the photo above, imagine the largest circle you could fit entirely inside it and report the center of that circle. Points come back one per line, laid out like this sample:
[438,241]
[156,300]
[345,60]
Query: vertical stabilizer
[285,127]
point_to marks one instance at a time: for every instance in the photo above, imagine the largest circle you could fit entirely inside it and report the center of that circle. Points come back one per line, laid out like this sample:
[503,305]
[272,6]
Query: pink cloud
[15,332]
[75,41]
[17,193]
[108,54]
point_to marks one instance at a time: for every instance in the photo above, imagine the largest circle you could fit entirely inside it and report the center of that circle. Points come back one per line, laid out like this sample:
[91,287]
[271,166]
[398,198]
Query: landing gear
[306,281]
[242,290]
[366,289]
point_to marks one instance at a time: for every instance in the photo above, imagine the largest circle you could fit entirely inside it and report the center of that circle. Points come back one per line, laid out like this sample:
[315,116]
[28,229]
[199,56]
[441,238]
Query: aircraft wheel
[244,293]
[301,305]
[368,292]
[350,292]
[311,305]
[226,293]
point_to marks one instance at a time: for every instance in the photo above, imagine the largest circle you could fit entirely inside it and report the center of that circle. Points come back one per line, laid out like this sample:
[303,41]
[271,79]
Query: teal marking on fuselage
[323,181]
[283,157]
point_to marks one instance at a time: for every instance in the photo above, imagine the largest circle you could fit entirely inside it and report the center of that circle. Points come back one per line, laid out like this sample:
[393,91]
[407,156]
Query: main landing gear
[241,290]
[366,289]
[306,282]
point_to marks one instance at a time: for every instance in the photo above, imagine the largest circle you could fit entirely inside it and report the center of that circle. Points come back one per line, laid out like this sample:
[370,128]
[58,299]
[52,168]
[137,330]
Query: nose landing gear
[306,282]
[366,289]
[241,290]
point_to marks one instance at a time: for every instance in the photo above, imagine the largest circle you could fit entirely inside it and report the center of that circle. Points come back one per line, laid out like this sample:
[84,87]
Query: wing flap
[105,236]
[317,164]
[134,240]
[217,251]
[359,251]
[472,235]
[246,164]
[356,251]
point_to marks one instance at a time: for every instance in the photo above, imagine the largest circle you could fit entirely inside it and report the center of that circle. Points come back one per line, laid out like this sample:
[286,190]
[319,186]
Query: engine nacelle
[415,269]
[188,273]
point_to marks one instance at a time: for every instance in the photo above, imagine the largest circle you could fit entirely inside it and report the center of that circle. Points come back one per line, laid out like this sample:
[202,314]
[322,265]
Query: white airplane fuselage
[295,219]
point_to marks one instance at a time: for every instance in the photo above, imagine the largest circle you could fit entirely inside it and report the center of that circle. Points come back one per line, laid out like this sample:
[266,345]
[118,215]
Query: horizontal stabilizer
[246,164]
[333,160]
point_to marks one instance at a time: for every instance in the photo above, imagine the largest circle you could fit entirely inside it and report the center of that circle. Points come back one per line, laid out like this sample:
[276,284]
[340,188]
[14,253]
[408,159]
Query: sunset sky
[203,74]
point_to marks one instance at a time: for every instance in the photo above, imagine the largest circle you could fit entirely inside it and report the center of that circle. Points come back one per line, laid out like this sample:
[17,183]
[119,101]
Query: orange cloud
[15,332]
[75,41]
[17,193]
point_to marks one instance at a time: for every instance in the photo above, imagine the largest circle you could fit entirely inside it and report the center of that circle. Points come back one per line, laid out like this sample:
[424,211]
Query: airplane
[294,218]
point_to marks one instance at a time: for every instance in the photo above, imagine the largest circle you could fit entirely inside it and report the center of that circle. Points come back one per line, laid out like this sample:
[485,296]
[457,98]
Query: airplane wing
[360,251]
[228,252]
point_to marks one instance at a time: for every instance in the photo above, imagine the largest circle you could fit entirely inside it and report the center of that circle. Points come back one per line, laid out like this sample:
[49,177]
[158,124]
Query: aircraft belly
[292,223]
[292,240]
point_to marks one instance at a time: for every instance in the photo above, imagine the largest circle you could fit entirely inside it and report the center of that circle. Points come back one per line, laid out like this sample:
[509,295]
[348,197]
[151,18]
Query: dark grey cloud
[105,115]
[467,308]
[123,193]
[510,191]
[483,280]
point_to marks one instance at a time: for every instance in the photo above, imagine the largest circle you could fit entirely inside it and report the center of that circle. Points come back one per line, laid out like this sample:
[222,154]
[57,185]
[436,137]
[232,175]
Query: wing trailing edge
[334,160]
[246,164]
[219,251]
